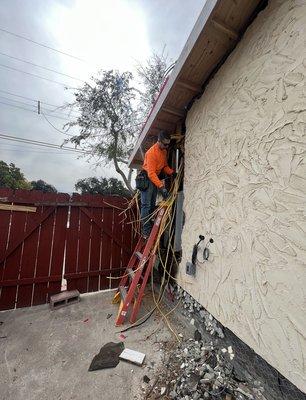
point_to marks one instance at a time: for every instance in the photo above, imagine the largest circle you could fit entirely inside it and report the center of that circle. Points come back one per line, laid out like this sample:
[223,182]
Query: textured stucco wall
[245,185]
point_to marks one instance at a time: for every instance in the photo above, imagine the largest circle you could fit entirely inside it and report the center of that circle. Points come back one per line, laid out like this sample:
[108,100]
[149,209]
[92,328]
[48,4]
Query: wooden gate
[83,238]
[99,243]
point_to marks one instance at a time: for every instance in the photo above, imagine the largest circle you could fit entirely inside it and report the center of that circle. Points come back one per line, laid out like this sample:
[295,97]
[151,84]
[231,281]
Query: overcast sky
[105,34]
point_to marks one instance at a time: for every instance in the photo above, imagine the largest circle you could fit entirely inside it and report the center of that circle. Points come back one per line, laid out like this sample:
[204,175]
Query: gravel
[197,370]
[200,368]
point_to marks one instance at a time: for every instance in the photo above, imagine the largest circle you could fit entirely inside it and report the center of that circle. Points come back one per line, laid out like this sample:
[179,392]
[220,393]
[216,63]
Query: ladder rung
[138,255]
[123,292]
[131,273]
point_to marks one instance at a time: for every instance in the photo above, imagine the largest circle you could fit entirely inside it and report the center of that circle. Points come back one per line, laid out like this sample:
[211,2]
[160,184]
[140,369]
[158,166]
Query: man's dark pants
[148,200]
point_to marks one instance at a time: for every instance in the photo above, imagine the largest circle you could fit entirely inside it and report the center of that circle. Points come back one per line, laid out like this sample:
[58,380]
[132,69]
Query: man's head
[163,140]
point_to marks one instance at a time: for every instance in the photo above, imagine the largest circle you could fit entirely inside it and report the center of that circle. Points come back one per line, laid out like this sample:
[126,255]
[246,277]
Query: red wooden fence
[99,243]
[82,238]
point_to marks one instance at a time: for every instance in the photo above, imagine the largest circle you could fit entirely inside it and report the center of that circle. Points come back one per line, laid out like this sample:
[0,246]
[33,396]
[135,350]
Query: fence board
[95,250]
[84,248]
[59,243]
[72,246]
[43,258]
[5,217]
[106,256]
[117,252]
[28,261]
[12,264]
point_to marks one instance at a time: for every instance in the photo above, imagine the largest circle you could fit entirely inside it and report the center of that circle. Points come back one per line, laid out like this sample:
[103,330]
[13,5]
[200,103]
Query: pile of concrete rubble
[206,372]
[193,308]
[201,368]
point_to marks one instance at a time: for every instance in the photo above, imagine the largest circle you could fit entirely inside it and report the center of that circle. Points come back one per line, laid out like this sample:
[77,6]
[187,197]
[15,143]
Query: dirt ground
[45,354]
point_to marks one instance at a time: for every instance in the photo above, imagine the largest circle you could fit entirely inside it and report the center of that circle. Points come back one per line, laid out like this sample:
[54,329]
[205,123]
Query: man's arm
[151,170]
[167,170]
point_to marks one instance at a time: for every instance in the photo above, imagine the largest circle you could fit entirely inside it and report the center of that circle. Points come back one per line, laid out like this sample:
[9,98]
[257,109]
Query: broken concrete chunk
[197,336]
[108,356]
[208,377]
[162,391]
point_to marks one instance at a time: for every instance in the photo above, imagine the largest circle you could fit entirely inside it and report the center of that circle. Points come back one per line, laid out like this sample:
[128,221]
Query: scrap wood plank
[13,207]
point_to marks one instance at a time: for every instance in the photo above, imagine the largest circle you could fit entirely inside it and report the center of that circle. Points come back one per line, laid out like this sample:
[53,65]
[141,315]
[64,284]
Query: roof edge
[195,33]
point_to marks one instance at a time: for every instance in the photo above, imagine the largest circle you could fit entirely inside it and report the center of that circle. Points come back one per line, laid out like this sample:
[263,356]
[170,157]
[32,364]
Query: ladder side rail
[133,260]
[142,288]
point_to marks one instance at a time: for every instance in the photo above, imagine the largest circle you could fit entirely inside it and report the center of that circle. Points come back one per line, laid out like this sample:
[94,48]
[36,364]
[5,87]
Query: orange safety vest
[155,161]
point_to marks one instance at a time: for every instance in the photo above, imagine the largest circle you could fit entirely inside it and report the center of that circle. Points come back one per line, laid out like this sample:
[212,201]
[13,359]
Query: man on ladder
[133,282]
[155,162]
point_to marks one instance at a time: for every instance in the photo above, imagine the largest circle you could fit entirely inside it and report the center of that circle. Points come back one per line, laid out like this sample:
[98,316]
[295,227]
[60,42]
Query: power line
[42,144]
[18,101]
[23,97]
[43,114]
[36,76]
[12,105]
[26,149]
[35,112]
[41,44]
[54,127]
[28,98]
[55,112]
[40,66]
[35,106]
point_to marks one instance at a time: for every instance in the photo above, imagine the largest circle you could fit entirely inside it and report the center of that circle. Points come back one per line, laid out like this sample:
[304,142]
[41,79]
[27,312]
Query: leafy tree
[11,177]
[112,113]
[107,119]
[152,75]
[43,186]
[104,186]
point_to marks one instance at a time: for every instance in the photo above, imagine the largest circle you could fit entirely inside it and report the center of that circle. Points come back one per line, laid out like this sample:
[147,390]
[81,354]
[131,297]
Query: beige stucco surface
[245,185]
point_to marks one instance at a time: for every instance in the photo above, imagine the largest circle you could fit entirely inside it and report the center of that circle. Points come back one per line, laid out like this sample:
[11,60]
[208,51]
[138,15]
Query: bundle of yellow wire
[166,224]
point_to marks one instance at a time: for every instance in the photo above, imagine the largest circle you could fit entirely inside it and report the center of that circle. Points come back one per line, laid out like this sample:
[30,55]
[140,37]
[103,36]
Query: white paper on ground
[133,356]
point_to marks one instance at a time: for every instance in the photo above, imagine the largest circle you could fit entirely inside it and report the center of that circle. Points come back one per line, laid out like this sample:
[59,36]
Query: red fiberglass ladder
[134,280]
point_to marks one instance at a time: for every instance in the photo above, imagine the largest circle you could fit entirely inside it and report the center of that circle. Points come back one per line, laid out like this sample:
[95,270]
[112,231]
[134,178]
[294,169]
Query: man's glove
[164,192]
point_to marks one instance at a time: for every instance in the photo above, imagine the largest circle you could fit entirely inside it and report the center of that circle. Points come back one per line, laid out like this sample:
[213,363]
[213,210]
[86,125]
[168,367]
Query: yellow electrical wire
[113,206]
[166,222]
[162,314]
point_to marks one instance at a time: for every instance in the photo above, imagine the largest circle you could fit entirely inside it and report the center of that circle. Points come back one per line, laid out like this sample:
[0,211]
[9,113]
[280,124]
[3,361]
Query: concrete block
[63,299]
[133,356]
